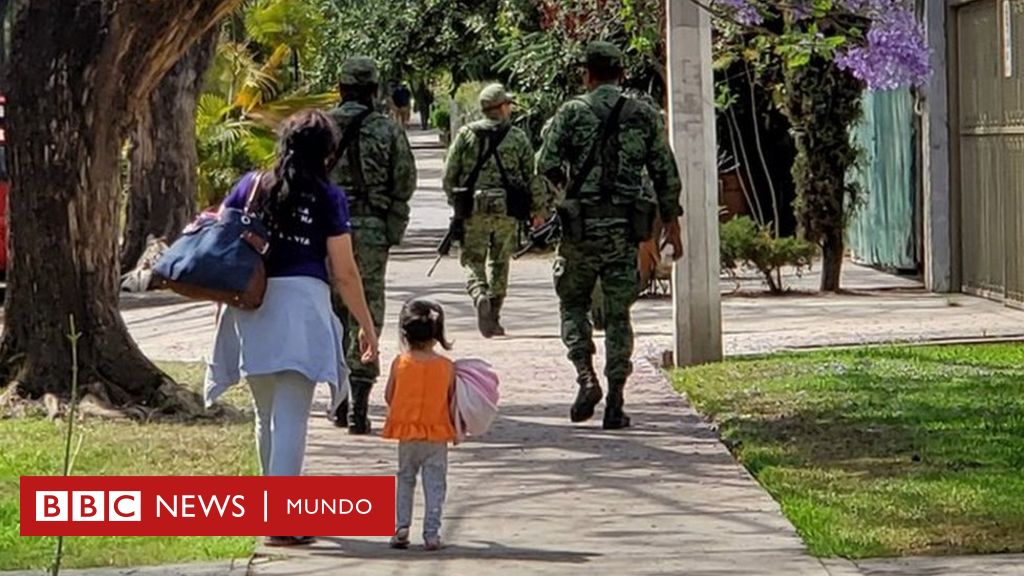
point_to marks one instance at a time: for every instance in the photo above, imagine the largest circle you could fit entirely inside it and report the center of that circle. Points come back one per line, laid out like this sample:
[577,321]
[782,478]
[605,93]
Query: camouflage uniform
[490,233]
[607,248]
[379,211]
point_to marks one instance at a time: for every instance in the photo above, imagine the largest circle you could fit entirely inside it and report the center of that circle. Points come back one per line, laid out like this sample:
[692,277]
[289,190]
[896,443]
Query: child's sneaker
[432,543]
[400,540]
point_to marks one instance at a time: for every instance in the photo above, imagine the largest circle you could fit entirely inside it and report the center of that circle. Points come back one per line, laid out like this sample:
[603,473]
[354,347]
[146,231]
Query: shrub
[441,117]
[745,242]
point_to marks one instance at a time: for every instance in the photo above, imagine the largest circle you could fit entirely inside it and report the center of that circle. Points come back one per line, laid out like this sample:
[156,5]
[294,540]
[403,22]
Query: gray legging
[283,401]
[429,459]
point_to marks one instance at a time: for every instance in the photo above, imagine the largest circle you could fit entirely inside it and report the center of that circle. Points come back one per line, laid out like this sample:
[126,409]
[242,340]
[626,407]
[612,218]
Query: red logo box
[207,505]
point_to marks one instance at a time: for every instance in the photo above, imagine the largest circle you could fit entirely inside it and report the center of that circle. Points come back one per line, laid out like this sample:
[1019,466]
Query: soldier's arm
[453,169]
[664,173]
[535,184]
[550,157]
[403,166]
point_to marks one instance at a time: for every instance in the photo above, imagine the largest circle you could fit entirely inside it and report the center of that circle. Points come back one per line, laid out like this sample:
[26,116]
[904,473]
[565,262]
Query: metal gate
[989,80]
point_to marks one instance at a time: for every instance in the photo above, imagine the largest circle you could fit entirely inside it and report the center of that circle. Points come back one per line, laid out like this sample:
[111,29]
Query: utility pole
[697,306]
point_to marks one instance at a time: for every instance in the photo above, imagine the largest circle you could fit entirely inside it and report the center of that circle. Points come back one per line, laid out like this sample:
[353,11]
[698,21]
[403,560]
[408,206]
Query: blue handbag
[219,258]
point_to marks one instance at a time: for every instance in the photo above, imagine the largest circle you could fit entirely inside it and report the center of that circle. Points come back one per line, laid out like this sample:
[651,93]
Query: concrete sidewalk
[539,495]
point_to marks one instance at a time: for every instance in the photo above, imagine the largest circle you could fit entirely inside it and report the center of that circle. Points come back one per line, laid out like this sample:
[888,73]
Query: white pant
[282,401]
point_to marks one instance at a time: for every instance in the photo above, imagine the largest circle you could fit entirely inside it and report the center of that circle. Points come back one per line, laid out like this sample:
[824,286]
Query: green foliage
[33,445]
[251,87]
[467,102]
[441,117]
[409,39]
[747,243]
[795,62]
[884,451]
[822,103]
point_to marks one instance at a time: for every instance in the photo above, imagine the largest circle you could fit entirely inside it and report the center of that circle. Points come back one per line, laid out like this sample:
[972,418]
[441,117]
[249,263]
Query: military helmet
[359,71]
[492,96]
[600,54]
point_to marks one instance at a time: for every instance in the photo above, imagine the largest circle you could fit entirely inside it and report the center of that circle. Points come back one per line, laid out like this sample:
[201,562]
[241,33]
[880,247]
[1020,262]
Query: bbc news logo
[207,505]
[88,506]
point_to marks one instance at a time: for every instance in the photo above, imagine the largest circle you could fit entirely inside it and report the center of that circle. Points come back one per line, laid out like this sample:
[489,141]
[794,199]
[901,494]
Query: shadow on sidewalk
[471,550]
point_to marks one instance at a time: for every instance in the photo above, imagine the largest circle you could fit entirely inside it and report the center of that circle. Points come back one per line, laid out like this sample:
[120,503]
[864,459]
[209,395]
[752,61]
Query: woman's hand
[369,346]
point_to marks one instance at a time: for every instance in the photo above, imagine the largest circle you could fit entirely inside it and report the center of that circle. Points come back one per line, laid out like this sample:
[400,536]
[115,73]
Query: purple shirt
[300,248]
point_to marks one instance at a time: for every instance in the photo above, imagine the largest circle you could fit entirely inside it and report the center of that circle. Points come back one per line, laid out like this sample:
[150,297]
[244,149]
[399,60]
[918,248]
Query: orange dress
[419,407]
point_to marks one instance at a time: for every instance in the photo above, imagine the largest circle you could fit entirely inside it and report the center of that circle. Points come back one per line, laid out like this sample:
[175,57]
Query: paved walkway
[541,496]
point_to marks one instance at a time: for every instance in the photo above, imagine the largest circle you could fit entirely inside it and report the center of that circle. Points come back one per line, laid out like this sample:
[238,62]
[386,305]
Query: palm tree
[254,83]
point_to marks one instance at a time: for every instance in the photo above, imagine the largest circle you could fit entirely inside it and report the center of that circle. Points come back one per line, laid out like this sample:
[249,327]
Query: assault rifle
[456,231]
[546,235]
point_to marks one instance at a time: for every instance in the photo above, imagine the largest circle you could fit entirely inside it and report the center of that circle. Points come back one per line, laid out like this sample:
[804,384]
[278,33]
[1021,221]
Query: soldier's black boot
[496,304]
[360,421]
[614,416]
[589,394]
[340,416]
[484,319]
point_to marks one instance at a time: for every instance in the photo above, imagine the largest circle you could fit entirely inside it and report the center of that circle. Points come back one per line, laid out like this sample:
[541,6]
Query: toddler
[419,395]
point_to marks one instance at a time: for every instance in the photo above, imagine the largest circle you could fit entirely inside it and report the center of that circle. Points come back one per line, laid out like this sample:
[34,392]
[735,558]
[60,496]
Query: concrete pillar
[939,212]
[697,309]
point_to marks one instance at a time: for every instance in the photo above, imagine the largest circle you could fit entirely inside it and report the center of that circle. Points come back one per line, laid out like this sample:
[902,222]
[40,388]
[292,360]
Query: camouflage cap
[603,54]
[492,96]
[359,71]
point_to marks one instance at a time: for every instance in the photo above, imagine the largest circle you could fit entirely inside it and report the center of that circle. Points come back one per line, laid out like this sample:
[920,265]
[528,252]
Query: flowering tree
[826,53]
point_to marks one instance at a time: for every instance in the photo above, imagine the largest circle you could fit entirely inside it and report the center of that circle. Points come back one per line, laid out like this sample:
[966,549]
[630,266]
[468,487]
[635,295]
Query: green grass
[880,452]
[35,446]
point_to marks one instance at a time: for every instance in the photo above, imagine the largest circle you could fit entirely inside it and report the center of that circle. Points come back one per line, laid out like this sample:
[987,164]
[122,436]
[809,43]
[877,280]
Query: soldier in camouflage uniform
[505,192]
[377,171]
[605,220]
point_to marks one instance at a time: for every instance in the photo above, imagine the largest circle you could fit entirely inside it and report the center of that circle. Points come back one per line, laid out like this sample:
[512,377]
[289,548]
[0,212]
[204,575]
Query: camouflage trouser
[371,252]
[490,242]
[608,255]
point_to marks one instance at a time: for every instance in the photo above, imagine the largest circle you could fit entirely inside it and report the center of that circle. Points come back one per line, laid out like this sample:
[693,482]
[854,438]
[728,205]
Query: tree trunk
[162,189]
[80,73]
[5,5]
[831,262]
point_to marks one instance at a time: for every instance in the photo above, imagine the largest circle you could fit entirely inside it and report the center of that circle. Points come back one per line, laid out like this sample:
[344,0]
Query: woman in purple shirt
[293,340]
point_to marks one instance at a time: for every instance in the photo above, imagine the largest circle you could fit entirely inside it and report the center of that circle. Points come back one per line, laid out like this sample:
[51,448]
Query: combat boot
[496,303]
[589,394]
[484,317]
[340,416]
[614,417]
[360,421]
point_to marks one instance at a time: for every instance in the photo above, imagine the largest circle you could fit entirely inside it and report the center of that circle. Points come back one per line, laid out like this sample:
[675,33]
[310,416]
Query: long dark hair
[422,323]
[306,151]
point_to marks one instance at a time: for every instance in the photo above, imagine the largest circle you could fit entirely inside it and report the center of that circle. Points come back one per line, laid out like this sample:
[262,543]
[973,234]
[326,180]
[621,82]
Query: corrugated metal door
[990,116]
[881,230]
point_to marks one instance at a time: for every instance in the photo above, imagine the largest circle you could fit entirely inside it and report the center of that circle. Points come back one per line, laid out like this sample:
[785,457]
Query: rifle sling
[487,150]
[608,128]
